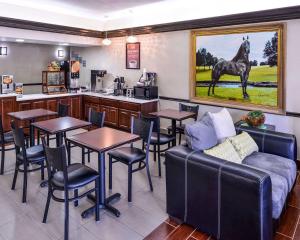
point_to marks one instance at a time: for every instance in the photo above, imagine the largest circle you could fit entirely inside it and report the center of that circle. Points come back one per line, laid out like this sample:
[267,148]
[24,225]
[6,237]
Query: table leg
[59,139]
[31,133]
[104,202]
[174,132]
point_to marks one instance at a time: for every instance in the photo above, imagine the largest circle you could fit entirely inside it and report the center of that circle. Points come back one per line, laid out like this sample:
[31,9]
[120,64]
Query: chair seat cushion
[8,137]
[281,166]
[78,175]
[164,138]
[34,154]
[128,154]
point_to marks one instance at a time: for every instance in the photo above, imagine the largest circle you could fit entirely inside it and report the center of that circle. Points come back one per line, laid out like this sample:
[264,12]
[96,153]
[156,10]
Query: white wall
[168,55]
[26,62]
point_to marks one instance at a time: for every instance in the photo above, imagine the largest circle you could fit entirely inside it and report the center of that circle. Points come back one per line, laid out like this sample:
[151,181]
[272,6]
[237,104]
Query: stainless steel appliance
[97,76]
[119,83]
[145,92]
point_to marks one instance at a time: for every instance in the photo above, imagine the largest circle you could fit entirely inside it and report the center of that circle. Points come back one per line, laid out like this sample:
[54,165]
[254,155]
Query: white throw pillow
[224,151]
[223,124]
[244,144]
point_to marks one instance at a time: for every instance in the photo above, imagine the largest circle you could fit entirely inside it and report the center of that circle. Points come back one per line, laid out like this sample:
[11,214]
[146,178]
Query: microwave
[145,92]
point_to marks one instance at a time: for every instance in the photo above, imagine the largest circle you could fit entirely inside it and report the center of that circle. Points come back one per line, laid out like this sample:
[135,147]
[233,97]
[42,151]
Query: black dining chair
[6,138]
[96,118]
[180,127]
[62,111]
[25,157]
[132,155]
[65,178]
[158,139]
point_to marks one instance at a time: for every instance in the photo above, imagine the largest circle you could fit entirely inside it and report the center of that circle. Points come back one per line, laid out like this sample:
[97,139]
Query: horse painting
[238,66]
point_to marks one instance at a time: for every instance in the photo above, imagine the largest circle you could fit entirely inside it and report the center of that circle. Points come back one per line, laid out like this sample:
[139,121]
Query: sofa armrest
[277,143]
[224,199]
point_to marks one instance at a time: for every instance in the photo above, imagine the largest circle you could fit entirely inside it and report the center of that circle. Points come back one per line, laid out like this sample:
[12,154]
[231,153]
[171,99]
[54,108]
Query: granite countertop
[27,97]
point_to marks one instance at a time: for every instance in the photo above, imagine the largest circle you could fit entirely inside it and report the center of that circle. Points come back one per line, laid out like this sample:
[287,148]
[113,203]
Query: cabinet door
[38,104]
[23,106]
[87,106]
[75,107]
[111,115]
[7,106]
[125,118]
[51,105]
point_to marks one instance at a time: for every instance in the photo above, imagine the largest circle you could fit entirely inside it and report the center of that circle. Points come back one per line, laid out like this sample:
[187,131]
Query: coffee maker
[97,76]
[119,83]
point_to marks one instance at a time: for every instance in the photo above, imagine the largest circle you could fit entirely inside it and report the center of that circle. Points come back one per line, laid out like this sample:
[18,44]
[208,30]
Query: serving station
[118,109]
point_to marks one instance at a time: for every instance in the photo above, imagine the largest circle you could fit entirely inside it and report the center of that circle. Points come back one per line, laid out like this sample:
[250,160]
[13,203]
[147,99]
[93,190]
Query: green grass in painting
[261,96]
[257,74]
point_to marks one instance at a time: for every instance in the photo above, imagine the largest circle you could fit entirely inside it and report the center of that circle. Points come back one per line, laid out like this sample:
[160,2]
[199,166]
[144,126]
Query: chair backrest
[63,110]
[155,120]
[142,127]
[189,108]
[96,118]
[56,159]
[19,139]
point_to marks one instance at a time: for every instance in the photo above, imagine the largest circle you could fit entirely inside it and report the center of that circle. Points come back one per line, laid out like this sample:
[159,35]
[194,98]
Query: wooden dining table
[31,116]
[102,140]
[59,126]
[174,115]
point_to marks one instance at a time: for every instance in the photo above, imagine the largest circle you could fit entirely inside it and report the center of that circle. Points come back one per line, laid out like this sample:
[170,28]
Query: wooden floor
[289,227]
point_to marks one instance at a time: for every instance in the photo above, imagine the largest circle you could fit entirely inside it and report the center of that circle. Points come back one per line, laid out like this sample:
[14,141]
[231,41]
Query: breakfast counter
[118,109]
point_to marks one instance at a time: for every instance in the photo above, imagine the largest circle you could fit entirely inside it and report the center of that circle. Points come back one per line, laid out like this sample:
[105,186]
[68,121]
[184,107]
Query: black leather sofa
[226,200]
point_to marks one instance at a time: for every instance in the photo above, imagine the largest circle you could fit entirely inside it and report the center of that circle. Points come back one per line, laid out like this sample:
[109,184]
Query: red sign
[133,55]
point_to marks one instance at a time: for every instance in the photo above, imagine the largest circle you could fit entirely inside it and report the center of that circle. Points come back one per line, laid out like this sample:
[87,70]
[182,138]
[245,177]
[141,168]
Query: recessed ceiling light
[64,44]
[20,40]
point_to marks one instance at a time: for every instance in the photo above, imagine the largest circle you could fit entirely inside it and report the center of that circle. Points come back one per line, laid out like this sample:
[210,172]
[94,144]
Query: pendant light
[106,41]
[131,38]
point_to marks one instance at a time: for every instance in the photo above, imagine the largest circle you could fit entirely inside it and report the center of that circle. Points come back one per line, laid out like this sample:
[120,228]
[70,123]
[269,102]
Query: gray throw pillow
[201,134]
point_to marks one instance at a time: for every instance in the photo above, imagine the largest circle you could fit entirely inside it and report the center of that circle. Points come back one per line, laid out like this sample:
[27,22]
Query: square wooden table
[101,140]
[173,115]
[31,116]
[59,126]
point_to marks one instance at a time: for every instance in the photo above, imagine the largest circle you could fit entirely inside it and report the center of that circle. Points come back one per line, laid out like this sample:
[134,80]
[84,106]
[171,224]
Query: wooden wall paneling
[125,118]
[7,105]
[52,105]
[75,103]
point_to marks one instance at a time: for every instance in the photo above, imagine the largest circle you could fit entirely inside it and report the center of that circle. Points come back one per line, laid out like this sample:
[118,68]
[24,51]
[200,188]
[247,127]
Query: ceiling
[106,15]
[98,7]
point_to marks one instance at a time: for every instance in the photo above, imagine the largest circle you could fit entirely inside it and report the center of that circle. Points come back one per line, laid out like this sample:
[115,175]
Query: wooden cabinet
[111,115]
[38,104]
[117,113]
[7,105]
[125,118]
[75,103]
[90,102]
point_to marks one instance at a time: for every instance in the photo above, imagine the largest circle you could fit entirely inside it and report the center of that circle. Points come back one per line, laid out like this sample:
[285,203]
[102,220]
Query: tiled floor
[20,221]
[289,227]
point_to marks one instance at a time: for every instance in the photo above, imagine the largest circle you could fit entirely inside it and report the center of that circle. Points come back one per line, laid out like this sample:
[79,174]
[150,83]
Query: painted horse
[238,66]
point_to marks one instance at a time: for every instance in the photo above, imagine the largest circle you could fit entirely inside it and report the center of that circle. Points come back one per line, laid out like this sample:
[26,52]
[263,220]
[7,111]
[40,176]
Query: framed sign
[247,73]
[133,56]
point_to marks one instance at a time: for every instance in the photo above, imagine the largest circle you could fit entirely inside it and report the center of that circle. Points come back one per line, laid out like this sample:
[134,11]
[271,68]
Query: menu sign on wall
[133,55]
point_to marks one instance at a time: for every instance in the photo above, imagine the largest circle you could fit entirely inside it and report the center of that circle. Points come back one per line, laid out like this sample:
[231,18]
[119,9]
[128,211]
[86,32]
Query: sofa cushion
[273,163]
[223,124]
[201,135]
[244,144]
[224,151]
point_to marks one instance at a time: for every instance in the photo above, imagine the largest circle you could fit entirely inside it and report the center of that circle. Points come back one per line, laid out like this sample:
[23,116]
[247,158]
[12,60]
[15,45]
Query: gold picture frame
[265,95]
